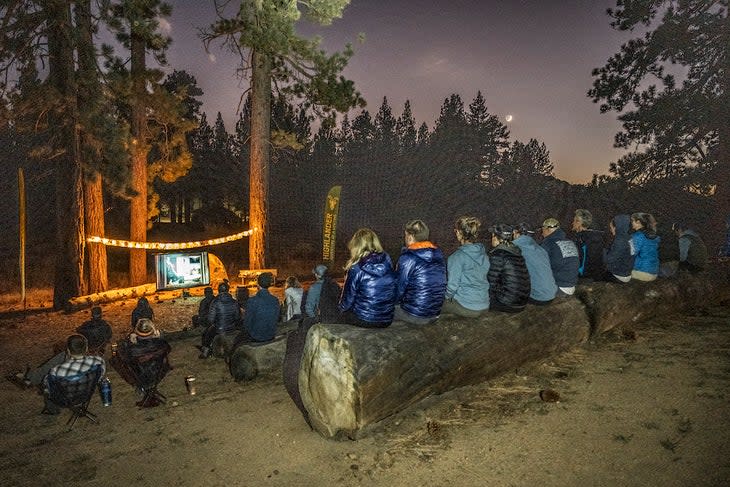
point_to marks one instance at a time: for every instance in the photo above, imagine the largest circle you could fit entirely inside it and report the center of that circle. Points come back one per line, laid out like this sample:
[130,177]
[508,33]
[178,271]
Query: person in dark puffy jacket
[369,294]
[142,310]
[509,281]
[590,246]
[618,258]
[563,254]
[224,317]
[421,273]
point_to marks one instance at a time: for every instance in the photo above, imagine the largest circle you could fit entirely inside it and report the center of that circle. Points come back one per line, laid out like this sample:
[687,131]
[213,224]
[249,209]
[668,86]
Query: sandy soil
[649,409]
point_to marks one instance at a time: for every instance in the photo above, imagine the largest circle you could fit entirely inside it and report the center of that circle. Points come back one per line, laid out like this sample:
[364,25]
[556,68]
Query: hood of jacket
[508,247]
[425,251]
[622,223]
[376,263]
[558,234]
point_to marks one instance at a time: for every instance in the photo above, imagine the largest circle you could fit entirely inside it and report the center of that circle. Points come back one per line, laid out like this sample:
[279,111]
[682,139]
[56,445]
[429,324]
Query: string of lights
[113,242]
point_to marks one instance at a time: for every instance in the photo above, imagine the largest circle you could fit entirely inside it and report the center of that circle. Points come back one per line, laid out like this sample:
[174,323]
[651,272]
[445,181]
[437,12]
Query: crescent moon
[508,118]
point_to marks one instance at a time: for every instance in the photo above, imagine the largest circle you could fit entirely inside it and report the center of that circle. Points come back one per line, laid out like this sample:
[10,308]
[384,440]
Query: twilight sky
[530,58]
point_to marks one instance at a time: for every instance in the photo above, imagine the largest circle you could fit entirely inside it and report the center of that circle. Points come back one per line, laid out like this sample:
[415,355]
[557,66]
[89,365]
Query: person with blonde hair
[421,273]
[467,288]
[293,294]
[369,294]
[644,247]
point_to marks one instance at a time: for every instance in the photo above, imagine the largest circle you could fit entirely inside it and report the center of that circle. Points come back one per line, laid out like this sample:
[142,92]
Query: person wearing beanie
[542,282]
[262,313]
[563,253]
[97,331]
[224,317]
[509,281]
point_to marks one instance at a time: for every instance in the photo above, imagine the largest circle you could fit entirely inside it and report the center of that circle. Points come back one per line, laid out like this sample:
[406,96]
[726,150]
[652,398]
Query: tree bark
[138,205]
[94,204]
[259,158]
[353,377]
[69,269]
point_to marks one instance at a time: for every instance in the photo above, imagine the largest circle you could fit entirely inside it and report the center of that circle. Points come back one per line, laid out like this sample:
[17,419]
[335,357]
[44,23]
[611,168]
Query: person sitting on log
[644,247]
[563,254]
[509,281]
[322,297]
[97,331]
[692,250]
[223,317]
[590,246]
[542,282]
[467,288]
[618,258]
[293,295]
[142,310]
[421,271]
[201,319]
[262,313]
[370,291]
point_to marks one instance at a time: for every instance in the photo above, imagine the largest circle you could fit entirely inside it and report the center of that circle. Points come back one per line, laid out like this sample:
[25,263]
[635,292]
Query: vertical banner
[329,228]
[21,233]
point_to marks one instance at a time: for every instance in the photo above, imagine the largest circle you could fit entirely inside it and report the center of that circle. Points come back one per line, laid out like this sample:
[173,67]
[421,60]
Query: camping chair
[75,392]
[145,372]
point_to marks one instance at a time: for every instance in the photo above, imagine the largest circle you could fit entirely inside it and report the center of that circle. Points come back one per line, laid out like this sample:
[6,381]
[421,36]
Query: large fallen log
[352,377]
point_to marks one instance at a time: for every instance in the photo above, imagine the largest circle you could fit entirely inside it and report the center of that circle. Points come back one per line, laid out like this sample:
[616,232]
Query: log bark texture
[353,377]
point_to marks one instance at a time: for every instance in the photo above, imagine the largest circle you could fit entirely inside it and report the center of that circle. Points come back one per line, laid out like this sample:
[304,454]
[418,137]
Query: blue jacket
[646,252]
[563,258]
[262,314]
[370,289]
[542,282]
[618,257]
[467,270]
[421,279]
[224,313]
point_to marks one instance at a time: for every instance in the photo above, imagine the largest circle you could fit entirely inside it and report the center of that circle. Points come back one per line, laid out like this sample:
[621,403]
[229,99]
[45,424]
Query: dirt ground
[646,409]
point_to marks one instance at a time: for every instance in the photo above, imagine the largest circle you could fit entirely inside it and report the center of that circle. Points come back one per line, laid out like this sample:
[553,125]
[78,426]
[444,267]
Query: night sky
[531,59]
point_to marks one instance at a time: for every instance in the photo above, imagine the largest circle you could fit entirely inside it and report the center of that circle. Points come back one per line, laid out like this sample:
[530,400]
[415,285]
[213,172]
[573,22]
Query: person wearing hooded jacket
[467,288]
[509,280]
[369,294]
[563,254]
[590,245]
[617,257]
[421,273]
[542,283]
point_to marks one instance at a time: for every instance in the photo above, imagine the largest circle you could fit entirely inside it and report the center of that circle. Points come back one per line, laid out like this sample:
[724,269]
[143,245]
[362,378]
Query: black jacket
[509,281]
[224,313]
[590,253]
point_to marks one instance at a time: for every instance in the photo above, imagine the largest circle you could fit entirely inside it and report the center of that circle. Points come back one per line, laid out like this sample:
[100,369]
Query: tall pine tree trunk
[69,272]
[138,204]
[89,95]
[722,194]
[259,158]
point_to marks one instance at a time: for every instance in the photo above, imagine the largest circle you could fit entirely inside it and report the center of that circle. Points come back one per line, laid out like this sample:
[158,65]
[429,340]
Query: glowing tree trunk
[259,159]
[138,204]
[94,219]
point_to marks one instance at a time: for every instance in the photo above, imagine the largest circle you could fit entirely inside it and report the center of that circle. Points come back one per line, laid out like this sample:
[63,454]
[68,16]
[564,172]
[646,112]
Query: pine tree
[406,130]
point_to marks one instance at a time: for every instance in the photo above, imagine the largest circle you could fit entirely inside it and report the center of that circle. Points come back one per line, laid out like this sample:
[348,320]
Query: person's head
[523,228]
[292,281]
[223,287]
[77,345]
[320,271]
[549,226]
[143,303]
[265,280]
[643,222]
[582,220]
[415,231]
[363,242]
[208,292]
[678,228]
[96,312]
[467,229]
[501,233]
[145,328]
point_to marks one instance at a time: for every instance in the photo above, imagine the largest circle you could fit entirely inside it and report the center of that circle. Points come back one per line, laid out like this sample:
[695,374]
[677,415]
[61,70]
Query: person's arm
[349,290]
[403,271]
[454,271]
[310,305]
[684,244]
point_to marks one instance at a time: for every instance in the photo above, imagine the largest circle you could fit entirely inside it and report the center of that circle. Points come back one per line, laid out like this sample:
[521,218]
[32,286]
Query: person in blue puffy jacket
[421,273]
[644,247]
[369,294]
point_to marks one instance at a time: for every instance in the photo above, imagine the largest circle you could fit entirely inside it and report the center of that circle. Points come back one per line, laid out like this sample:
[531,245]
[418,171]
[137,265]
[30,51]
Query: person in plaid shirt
[77,362]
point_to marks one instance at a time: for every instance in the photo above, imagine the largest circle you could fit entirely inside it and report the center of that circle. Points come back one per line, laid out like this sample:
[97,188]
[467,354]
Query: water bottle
[106,391]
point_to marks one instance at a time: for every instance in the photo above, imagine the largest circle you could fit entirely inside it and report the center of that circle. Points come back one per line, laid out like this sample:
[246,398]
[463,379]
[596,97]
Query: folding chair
[144,371]
[75,392]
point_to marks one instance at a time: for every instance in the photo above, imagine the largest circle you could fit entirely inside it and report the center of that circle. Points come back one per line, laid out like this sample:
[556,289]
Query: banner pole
[329,227]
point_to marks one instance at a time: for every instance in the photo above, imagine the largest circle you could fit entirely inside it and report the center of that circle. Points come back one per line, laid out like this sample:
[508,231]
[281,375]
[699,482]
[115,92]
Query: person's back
[370,289]
[142,310]
[542,282]
[224,313]
[618,257]
[262,312]
[693,253]
[590,250]
[563,253]
[509,280]
[293,297]
[204,308]
[97,331]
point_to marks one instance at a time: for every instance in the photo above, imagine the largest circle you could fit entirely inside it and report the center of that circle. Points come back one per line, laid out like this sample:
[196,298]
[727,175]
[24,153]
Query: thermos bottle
[106,391]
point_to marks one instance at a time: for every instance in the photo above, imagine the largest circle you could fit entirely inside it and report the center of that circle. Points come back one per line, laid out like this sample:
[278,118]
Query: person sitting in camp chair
[142,361]
[71,383]
[97,331]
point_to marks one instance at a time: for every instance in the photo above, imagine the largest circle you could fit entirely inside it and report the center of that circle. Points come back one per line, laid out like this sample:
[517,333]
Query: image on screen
[181,270]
